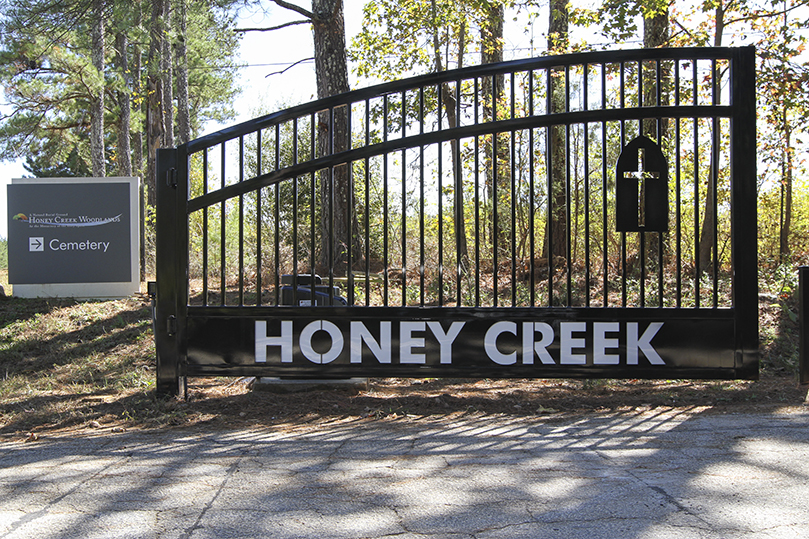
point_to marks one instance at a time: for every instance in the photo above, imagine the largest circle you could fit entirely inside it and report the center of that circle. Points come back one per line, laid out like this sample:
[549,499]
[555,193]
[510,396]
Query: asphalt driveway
[669,473]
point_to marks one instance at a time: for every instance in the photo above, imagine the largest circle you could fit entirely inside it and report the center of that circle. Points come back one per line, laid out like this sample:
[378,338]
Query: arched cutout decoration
[642,188]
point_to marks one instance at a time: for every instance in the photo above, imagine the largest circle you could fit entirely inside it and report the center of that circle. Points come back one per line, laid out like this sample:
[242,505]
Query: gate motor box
[299,287]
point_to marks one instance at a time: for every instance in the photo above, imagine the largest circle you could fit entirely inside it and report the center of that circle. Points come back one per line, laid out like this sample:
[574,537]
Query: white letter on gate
[446,338]
[407,342]
[336,341]
[601,343]
[529,347]
[263,341]
[644,343]
[490,343]
[360,334]
[568,343]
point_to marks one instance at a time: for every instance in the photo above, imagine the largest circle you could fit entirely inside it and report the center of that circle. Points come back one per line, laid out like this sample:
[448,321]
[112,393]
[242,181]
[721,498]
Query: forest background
[87,83]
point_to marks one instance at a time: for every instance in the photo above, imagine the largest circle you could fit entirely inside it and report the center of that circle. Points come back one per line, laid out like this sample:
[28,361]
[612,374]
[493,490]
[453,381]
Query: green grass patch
[4,266]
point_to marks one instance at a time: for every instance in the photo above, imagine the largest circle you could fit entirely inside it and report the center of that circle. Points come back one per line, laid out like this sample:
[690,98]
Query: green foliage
[42,163]
[400,38]
[770,218]
[617,20]
[50,82]
[405,207]
[3,254]
[212,44]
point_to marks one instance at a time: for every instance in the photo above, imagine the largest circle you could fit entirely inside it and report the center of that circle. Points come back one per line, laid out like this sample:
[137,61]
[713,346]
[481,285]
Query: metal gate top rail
[576,215]
[691,54]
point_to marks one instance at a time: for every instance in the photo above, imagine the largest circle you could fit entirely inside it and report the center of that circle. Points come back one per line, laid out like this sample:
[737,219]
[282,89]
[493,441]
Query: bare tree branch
[765,15]
[683,28]
[289,67]
[292,23]
[296,9]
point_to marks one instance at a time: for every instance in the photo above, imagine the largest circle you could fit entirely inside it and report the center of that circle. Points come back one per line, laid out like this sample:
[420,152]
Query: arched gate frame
[588,215]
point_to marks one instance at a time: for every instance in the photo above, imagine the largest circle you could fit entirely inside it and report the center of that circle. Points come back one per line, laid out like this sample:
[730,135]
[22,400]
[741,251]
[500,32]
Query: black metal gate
[588,215]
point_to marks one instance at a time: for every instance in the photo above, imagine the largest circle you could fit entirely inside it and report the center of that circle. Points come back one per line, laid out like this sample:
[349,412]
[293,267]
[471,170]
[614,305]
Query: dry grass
[65,362]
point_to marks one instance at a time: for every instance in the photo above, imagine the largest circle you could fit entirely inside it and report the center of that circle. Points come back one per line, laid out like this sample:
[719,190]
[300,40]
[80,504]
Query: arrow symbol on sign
[36,244]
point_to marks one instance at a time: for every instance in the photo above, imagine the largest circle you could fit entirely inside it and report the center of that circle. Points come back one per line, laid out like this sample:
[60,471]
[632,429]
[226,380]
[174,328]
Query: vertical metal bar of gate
[181,256]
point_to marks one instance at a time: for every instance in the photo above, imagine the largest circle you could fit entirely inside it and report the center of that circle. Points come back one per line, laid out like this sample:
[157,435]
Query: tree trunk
[339,227]
[181,58]
[97,106]
[168,75]
[123,154]
[784,250]
[555,241]
[491,51]
[450,107]
[155,100]
[655,34]
[707,235]
[137,136]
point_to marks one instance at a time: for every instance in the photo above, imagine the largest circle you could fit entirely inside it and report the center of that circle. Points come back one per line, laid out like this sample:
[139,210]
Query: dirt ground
[237,403]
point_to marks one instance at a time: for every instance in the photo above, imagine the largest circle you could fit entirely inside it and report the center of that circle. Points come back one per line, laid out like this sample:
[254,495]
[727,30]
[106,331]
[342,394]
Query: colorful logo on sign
[65,220]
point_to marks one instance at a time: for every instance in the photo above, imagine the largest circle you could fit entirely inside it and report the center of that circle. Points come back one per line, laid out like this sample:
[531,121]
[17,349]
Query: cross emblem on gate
[641,174]
[641,188]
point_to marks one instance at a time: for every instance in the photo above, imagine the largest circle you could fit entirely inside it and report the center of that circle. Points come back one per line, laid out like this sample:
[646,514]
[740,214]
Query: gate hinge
[171,325]
[171,177]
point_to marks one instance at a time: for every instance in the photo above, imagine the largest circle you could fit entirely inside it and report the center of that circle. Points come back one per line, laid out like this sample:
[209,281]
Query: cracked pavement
[667,473]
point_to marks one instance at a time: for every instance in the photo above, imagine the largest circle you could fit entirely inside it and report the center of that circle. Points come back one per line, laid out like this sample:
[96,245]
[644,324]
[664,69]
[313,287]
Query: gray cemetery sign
[73,237]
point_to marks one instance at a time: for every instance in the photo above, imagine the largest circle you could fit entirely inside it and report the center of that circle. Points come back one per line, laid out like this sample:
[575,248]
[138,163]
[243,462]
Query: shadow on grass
[18,309]
[91,410]
[780,333]
[62,361]
[39,349]
[100,371]
[229,403]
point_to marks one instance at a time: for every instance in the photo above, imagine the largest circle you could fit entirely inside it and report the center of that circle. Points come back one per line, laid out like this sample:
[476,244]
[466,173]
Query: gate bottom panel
[334,342]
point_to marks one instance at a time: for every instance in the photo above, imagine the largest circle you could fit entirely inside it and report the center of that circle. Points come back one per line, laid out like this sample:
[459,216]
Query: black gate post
[803,322]
[166,348]
[744,225]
